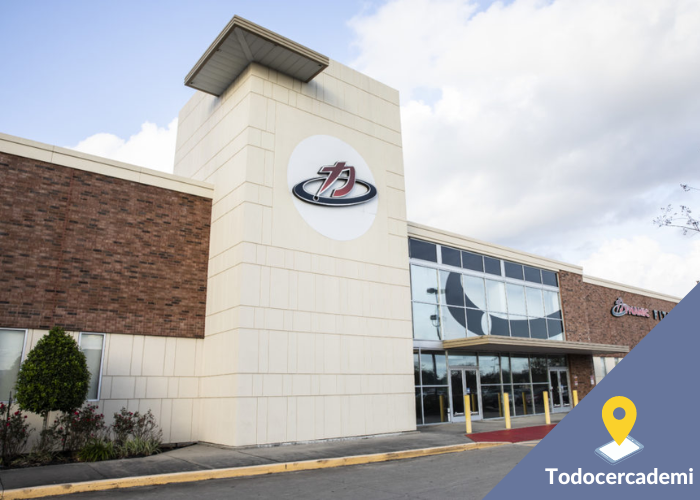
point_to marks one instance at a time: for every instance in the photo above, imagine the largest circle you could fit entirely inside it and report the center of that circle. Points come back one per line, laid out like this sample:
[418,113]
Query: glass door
[464,382]
[559,390]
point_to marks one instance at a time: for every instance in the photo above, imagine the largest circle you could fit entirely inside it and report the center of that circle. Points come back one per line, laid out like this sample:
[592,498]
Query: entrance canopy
[495,343]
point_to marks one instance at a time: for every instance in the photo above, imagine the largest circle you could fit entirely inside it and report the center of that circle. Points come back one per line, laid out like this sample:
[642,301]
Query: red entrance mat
[513,435]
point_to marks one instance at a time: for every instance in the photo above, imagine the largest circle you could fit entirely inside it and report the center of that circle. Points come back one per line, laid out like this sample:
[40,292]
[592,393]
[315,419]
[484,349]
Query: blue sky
[558,127]
[75,68]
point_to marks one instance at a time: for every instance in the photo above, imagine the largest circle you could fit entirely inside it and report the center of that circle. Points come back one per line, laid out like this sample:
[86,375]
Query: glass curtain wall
[432,389]
[523,377]
[457,294]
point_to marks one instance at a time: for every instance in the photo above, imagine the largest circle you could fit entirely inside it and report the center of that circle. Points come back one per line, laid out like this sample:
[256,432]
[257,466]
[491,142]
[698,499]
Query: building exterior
[272,290]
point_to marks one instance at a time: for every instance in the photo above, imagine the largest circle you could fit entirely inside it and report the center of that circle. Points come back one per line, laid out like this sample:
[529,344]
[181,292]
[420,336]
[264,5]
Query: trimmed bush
[54,377]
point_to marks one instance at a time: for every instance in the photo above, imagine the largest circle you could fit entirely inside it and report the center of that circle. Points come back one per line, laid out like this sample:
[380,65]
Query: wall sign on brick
[621,309]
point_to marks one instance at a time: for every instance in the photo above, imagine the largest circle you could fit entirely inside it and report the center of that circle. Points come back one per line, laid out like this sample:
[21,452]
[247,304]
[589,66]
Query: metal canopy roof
[242,42]
[495,343]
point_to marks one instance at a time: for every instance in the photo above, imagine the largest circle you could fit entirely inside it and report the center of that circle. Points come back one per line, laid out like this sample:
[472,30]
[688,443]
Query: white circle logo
[332,187]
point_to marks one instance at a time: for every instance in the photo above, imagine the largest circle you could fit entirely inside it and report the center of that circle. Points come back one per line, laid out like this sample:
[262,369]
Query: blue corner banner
[655,455]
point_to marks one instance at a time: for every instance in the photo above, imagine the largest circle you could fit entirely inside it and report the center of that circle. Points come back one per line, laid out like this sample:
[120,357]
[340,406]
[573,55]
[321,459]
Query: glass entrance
[559,390]
[464,382]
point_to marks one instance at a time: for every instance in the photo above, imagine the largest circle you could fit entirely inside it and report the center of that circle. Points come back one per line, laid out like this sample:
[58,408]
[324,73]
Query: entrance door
[465,382]
[559,389]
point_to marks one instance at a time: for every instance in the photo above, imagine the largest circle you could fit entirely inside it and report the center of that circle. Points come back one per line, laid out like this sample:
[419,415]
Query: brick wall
[95,253]
[581,369]
[587,318]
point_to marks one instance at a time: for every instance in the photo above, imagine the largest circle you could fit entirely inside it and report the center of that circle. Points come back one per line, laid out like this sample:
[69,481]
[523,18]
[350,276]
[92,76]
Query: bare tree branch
[683,220]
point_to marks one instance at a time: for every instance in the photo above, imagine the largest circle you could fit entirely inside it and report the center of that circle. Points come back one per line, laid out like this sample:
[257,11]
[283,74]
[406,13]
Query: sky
[558,127]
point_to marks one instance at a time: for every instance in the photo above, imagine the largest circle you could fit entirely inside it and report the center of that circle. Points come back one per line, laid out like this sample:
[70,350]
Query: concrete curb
[255,470]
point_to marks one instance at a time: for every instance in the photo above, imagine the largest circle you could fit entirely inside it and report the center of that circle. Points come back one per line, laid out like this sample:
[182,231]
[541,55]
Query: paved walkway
[492,424]
[203,457]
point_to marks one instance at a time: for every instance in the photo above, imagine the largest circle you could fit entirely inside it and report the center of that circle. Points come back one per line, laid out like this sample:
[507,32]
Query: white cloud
[640,261]
[556,126]
[152,147]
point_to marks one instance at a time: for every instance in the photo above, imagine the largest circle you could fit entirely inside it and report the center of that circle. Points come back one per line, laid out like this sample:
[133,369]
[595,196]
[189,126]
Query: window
[488,297]
[549,278]
[492,266]
[422,250]
[523,377]
[516,299]
[533,275]
[451,257]
[514,271]
[432,398]
[473,261]
[535,306]
[603,366]
[496,296]
[92,345]
[11,351]
[424,284]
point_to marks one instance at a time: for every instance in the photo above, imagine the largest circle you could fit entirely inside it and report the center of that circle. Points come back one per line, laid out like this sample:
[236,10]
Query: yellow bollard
[468,414]
[524,404]
[506,409]
[575,398]
[547,420]
[442,408]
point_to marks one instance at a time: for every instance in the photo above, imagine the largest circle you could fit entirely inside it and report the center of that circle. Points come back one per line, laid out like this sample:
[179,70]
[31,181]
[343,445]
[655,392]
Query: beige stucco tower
[308,336]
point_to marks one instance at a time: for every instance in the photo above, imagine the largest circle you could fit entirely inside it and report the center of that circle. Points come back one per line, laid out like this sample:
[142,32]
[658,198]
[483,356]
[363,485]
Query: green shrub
[96,450]
[138,447]
[54,377]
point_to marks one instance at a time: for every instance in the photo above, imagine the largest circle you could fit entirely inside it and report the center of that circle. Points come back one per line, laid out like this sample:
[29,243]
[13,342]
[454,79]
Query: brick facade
[587,318]
[100,254]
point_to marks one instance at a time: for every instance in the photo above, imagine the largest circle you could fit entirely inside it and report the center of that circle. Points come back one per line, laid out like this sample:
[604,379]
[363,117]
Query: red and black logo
[329,196]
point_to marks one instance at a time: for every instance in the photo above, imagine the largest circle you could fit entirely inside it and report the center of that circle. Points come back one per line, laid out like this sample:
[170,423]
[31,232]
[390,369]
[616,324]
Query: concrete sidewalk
[202,457]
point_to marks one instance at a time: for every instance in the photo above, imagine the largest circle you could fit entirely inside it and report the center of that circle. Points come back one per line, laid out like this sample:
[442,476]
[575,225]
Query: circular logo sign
[332,187]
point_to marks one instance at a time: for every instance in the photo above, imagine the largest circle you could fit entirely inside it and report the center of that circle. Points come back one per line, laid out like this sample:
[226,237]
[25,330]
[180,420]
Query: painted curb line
[255,470]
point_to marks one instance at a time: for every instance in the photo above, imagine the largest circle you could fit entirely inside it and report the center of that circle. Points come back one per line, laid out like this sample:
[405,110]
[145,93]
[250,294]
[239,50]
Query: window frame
[102,360]
[439,266]
[22,356]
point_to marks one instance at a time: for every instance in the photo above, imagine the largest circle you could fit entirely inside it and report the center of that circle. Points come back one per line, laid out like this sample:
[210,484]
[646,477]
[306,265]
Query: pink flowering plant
[72,430]
[123,426]
[136,425]
[14,434]
[79,435]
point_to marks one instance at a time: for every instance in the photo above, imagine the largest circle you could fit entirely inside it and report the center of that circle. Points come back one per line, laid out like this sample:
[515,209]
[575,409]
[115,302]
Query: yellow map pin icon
[619,429]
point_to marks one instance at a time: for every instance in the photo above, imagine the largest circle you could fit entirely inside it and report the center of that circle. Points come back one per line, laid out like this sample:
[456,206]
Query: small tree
[54,377]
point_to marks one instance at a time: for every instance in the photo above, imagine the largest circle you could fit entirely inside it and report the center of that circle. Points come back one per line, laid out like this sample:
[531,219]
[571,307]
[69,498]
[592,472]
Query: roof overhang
[241,43]
[495,343]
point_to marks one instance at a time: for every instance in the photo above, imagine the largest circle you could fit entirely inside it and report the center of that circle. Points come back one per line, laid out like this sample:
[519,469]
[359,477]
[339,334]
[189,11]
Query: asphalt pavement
[467,475]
